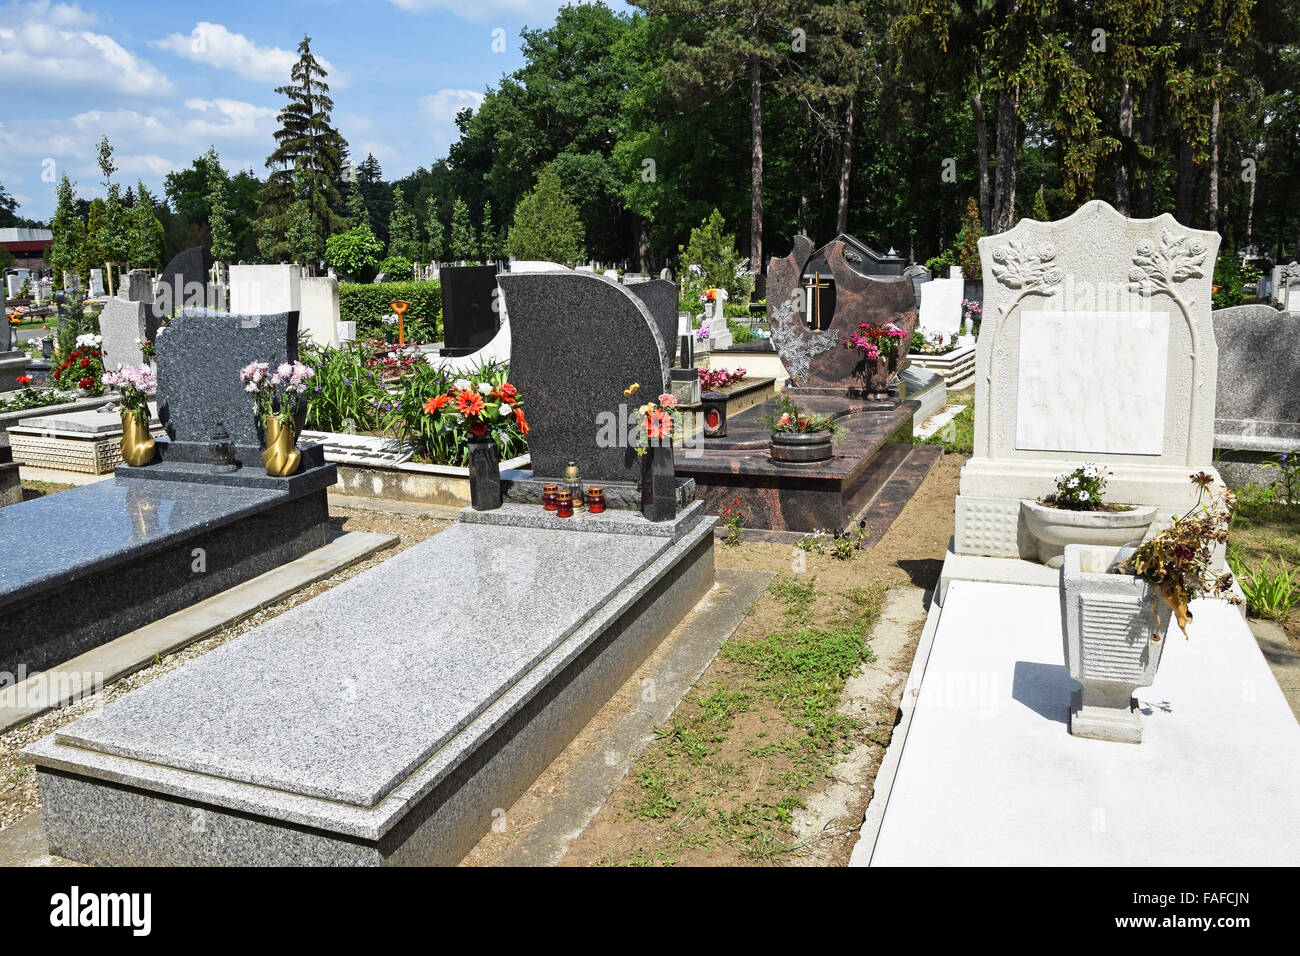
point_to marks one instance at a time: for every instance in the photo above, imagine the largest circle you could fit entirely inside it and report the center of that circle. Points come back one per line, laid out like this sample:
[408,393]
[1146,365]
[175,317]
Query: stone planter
[796,448]
[1054,528]
[1112,646]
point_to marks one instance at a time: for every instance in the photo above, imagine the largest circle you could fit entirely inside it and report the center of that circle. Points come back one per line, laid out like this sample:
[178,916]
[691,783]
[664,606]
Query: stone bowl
[1053,528]
[800,448]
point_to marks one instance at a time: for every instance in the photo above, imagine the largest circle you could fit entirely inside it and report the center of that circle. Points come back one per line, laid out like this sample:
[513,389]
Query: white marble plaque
[1093,382]
[941,307]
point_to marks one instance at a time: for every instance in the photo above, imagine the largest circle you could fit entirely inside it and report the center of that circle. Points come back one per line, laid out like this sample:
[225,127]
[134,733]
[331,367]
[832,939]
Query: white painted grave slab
[1092,382]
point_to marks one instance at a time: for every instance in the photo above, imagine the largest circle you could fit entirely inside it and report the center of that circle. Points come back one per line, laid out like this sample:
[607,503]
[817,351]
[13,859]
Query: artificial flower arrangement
[702,333]
[972,313]
[277,395]
[657,421]
[1178,561]
[713,295]
[480,410]
[876,341]
[796,419]
[83,367]
[711,380]
[135,383]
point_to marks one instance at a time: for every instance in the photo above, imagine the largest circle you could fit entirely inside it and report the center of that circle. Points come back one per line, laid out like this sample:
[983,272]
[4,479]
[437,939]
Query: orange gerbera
[469,403]
[659,424]
[523,424]
[433,405]
[506,392]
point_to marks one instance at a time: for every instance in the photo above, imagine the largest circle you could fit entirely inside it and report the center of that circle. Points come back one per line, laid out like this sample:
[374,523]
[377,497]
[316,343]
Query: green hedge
[367,304]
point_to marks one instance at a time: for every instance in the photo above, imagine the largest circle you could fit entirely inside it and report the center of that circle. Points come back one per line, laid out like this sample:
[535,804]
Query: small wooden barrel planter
[799,448]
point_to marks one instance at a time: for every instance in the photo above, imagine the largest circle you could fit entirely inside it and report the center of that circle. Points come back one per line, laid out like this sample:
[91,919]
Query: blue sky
[165,80]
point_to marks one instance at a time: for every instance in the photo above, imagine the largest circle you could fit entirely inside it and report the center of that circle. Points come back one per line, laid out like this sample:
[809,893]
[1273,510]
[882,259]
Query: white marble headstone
[941,307]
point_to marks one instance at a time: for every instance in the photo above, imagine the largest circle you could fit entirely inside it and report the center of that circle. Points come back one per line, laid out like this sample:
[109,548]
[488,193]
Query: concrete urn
[1112,642]
[1054,528]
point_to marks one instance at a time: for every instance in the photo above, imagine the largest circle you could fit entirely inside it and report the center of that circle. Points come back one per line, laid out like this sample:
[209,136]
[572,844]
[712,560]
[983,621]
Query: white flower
[1072,483]
[485,388]
[506,411]
[1084,496]
[463,385]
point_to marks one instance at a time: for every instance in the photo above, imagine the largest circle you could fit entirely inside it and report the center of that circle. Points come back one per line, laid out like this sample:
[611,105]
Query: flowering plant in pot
[480,415]
[280,404]
[82,368]
[800,436]
[1111,616]
[135,383]
[882,348]
[657,422]
[1076,513]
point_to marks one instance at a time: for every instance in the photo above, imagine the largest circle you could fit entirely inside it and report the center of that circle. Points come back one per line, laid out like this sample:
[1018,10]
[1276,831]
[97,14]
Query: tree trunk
[982,143]
[1125,149]
[756,174]
[1186,179]
[1004,199]
[1250,205]
[1213,202]
[1146,193]
[846,168]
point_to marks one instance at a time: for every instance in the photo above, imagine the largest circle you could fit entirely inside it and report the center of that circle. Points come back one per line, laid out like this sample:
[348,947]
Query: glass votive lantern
[563,504]
[595,499]
[548,496]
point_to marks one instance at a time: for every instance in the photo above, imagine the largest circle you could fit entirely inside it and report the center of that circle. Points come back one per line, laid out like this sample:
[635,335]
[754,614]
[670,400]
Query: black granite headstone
[577,341]
[660,299]
[184,284]
[199,358]
[469,320]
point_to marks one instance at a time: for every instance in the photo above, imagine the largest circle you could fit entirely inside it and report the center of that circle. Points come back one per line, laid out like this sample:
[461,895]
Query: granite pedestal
[104,559]
[874,463]
[356,729]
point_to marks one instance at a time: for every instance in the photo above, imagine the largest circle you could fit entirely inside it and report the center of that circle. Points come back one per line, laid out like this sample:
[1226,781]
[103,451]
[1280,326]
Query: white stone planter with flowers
[1076,514]
[1112,644]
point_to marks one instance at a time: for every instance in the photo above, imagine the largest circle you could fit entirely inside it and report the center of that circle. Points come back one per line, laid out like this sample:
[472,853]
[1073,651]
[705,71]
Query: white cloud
[41,47]
[214,45]
[442,106]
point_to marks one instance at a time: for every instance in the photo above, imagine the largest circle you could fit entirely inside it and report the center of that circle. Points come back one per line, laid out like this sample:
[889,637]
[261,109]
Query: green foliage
[147,242]
[366,304]
[68,248]
[403,230]
[1287,486]
[1270,592]
[434,245]
[714,251]
[462,244]
[219,212]
[740,332]
[1230,279]
[546,224]
[1040,207]
[397,268]
[354,253]
[489,241]
[971,230]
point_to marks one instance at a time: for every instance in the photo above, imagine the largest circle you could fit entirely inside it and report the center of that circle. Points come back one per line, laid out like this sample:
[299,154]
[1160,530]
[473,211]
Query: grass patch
[733,765]
[1264,553]
[958,436]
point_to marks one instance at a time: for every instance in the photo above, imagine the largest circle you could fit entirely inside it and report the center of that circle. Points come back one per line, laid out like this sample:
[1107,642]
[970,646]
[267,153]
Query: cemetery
[344,527]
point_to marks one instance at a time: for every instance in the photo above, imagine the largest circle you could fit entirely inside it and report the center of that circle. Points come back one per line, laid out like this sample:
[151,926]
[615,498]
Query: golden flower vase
[137,444]
[281,457]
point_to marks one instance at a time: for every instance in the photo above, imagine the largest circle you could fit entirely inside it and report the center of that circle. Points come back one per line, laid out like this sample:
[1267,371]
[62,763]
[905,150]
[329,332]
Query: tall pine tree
[306,163]
[403,230]
[463,244]
[219,216]
[68,248]
[434,247]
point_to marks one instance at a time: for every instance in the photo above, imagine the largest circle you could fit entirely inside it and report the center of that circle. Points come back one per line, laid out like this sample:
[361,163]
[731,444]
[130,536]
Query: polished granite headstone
[660,299]
[184,284]
[199,359]
[1257,406]
[469,315]
[818,360]
[577,342]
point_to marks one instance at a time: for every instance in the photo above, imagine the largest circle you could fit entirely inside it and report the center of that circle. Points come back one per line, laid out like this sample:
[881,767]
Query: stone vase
[282,456]
[797,448]
[658,483]
[138,445]
[484,475]
[1054,528]
[1113,641]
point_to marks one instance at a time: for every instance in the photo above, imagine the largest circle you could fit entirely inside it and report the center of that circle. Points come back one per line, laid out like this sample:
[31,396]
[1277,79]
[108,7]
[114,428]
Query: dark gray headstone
[577,341]
[183,283]
[919,275]
[660,299]
[138,286]
[199,357]
[469,320]
[1259,371]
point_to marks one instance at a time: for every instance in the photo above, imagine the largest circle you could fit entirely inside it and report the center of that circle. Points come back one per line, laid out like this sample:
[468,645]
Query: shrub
[714,252]
[546,223]
[398,269]
[355,252]
[366,305]
[740,332]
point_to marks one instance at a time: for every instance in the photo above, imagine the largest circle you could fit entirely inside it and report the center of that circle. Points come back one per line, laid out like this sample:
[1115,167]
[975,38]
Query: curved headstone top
[817,359]
[1096,342]
[660,299]
[1259,370]
[577,341]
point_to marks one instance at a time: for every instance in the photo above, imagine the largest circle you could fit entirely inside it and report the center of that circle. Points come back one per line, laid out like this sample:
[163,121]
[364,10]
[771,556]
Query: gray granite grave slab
[344,705]
[610,521]
[92,423]
[199,359]
[577,341]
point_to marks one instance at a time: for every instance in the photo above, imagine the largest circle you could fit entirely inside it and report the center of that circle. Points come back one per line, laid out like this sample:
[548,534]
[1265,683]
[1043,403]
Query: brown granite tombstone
[819,360]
